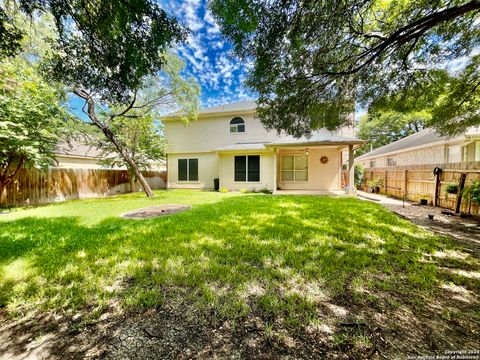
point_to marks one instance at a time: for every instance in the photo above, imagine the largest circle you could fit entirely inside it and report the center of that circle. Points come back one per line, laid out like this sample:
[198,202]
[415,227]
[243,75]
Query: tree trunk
[111,136]
[2,187]
[131,180]
[138,174]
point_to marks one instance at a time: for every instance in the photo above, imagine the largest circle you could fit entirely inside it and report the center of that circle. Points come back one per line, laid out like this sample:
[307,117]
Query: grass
[286,259]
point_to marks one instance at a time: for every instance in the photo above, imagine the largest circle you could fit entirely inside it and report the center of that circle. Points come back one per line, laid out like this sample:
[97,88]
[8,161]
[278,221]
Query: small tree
[106,52]
[135,136]
[31,119]
[143,140]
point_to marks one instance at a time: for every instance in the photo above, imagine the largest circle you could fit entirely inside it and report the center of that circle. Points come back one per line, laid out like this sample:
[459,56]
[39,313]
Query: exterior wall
[207,170]
[429,155]
[201,138]
[71,162]
[473,151]
[67,162]
[211,133]
[227,178]
[208,134]
[320,176]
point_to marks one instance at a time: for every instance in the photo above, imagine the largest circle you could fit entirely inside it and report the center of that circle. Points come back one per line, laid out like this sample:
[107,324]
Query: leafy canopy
[386,127]
[139,131]
[31,117]
[311,59]
[106,47]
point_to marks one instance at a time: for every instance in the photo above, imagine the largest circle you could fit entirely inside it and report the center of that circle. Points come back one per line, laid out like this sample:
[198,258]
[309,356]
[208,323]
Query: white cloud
[189,10]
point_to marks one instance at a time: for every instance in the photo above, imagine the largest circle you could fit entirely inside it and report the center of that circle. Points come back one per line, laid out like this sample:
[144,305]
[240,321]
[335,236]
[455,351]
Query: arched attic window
[237,125]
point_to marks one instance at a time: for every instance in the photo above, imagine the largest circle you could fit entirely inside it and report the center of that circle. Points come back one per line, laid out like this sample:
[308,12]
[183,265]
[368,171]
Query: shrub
[375,182]
[244,191]
[358,172]
[224,190]
[265,191]
[472,192]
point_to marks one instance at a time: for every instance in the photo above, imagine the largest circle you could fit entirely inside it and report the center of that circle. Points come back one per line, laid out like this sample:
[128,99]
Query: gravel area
[464,230]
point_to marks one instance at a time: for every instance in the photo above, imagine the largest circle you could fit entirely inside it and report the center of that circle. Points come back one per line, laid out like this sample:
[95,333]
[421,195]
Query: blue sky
[208,55]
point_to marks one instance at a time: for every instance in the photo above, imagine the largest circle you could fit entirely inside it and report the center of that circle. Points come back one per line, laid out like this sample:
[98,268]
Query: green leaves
[311,60]
[383,128]
[31,117]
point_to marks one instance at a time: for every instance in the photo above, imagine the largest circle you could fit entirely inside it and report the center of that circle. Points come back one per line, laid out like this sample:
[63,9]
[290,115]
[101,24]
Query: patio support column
[274,170]
[351,171]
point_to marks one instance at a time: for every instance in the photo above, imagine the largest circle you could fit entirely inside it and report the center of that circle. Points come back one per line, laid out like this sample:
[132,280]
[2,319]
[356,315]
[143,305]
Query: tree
[105,52]
[386,127]
[311,58]
[124,124]
[31,119]
[10,35]
[143,140]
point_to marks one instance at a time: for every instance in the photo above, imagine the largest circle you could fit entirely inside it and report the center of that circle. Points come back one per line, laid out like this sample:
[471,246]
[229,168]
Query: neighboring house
[425,147]
[81,155]
[227,142]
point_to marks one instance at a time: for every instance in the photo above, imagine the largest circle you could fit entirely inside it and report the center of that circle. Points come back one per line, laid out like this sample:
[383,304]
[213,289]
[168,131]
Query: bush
[374,183]
[244,191]
[472,192]
[224,190]
[358,178]
[265,191]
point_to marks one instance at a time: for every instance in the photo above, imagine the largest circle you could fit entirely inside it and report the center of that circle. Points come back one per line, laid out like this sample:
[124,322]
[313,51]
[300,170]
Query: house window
[237,125]
[294,168]
[187,169]
[247,168]
[477,150]
[390,162]
[373,163]
[453,154]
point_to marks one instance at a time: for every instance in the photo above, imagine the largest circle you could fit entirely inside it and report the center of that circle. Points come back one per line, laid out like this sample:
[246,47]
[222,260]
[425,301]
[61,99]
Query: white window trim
[188,181]
[246,170]
[294,170]
[236,126]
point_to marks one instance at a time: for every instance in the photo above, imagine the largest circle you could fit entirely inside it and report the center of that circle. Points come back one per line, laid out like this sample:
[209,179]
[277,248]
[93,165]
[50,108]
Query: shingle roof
[234,106]
[424,137]
[243,146]
[318,137]
[78,148]
[322,137]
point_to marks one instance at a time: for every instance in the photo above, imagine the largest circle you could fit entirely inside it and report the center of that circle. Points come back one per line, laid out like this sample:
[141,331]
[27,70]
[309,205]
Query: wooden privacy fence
[33,187]
[416,181]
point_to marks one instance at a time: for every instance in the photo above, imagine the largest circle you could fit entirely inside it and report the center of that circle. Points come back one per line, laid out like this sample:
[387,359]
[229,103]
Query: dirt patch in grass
[155,211]
[348,327]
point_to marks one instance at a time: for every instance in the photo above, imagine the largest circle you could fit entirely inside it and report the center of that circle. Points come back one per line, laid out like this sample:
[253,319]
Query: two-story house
[229,143]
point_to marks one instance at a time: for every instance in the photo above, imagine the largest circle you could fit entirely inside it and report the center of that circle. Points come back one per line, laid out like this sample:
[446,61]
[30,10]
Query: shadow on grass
[292,262]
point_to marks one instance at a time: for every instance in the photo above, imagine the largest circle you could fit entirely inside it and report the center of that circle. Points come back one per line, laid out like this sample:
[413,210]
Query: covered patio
[314,166]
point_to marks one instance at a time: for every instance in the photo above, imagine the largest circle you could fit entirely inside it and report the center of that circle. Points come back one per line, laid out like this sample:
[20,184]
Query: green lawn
[289,260]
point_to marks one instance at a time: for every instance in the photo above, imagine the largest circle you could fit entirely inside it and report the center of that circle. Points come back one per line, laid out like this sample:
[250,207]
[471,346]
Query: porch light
[306,151]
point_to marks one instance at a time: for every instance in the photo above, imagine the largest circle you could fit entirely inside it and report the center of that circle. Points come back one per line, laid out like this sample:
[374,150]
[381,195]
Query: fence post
[385,179]
[437,188]
[461,185]
[405,183]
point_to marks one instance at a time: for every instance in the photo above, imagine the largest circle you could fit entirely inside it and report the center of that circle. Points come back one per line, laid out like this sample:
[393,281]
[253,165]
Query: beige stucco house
[76,154]
[229,143]
[425,147]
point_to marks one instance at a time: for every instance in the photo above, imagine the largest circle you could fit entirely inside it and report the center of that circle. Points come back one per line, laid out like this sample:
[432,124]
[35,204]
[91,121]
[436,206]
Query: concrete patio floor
[310,192]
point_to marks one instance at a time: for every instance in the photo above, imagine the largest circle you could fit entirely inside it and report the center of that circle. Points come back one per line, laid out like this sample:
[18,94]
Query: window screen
[247,168]
[187,169]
